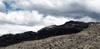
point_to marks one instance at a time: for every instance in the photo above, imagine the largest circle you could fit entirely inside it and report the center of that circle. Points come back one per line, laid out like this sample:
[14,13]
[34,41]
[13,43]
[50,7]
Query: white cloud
[59,5]
[21,18]
[20,21]
[2,6]
[35,14]
[93,5]
[86,19]
[56,7]
[14,29]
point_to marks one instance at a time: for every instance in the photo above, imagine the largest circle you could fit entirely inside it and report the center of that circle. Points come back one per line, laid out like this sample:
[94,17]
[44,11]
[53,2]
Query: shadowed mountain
[70,27]
[10,39]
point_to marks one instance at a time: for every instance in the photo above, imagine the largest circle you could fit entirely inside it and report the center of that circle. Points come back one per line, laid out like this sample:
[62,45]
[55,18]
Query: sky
[17,16]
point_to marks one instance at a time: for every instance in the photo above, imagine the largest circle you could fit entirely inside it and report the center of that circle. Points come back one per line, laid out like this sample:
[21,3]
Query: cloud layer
[35,14]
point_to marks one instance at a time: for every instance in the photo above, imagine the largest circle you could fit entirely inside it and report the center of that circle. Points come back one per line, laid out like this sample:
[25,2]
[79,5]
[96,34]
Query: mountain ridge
[45,34]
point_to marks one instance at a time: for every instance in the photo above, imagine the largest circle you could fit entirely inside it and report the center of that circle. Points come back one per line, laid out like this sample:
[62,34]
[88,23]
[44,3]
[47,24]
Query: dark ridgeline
[10,39]
[70,27]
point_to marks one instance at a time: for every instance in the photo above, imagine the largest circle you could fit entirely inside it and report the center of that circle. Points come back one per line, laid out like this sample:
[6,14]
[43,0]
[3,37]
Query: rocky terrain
[71,35]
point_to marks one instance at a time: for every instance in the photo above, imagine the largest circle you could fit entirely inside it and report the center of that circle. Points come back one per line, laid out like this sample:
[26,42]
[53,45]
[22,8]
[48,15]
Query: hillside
[71,35]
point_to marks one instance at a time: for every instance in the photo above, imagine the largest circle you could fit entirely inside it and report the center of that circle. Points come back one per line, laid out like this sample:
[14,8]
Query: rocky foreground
[71,35]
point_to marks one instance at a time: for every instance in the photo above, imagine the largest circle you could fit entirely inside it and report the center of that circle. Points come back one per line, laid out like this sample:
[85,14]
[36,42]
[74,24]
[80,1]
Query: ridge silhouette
[70,27]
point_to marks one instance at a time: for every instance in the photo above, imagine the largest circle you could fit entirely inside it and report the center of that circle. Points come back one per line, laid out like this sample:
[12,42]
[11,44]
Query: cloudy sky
[17,16]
